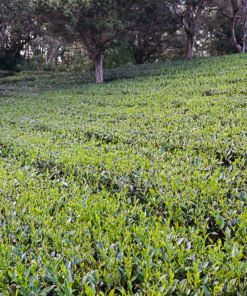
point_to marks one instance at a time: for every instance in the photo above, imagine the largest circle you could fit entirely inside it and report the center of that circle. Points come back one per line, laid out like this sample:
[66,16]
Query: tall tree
[188,12]
[214,33]
[152,21]
[94,22]
[244,6]
[18,25]
[236,12]
[50,47]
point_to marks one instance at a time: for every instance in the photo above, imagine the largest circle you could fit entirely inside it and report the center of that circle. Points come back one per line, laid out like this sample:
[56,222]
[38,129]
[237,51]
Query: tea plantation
[134,187]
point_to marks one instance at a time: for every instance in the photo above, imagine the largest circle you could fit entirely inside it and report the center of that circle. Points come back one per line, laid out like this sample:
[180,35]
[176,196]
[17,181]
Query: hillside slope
[134,187]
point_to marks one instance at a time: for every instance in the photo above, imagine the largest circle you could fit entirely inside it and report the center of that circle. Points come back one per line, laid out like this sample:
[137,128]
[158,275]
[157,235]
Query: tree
[50,47]
[244,6]
[236,12]
[214,33]
[151,21]
[97,23]
[188,13]
[18,26]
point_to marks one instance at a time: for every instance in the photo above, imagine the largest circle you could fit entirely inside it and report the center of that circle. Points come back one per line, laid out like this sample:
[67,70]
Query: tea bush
[134,187]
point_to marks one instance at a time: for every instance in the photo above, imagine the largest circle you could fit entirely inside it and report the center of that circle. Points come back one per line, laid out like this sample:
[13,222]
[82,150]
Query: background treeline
[89,34]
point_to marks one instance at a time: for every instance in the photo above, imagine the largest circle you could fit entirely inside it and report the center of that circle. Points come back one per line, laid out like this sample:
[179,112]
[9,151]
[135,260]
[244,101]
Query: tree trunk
[139,56]
[35,58]
[234,39]
[98,64]
[235,9]
[189,46]
[28,54]
[244,4]
[245,35]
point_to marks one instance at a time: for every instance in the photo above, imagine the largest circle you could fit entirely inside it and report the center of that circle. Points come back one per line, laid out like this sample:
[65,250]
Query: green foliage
[134,187]
[118,56]
[17,27]
[7,62]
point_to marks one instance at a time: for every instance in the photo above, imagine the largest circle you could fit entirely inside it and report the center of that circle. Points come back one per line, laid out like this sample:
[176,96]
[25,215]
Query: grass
[134,187]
